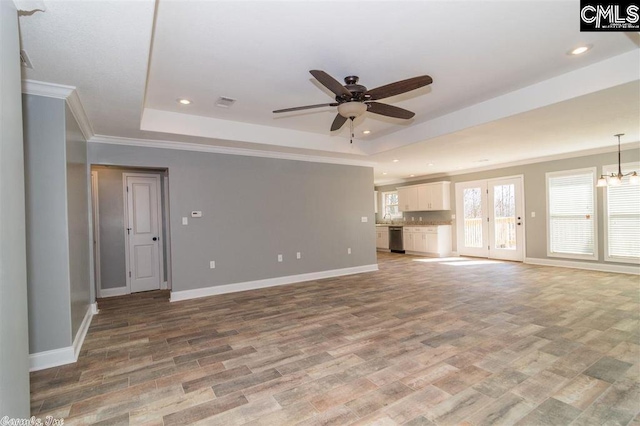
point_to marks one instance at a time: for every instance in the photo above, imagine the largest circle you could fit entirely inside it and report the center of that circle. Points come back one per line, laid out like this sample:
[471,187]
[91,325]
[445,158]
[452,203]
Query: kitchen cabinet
[425,197]
[428,240]
[382,237]
[408,198]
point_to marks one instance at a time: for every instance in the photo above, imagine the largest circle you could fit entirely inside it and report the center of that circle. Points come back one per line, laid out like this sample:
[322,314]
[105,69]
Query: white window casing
[571,214]
[622,218]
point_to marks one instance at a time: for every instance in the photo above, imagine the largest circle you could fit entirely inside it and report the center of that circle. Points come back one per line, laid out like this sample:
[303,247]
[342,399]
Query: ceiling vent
[224,102]
[24,59]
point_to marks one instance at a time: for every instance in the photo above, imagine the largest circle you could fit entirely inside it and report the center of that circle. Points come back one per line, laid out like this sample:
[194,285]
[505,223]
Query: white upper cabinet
[425,197]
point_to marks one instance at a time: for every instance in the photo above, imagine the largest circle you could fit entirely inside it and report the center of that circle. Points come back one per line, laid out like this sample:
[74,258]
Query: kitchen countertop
[414,224]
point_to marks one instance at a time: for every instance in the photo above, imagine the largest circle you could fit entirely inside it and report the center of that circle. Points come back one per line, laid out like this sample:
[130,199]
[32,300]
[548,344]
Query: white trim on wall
[591,266]
[177,296]
[66,355]
[186,146]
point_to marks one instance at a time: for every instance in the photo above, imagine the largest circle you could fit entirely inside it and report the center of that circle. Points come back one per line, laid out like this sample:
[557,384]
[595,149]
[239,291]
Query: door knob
[156,238]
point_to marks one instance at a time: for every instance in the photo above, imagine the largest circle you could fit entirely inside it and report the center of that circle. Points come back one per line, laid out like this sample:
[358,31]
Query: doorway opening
[131,237]
[491,218]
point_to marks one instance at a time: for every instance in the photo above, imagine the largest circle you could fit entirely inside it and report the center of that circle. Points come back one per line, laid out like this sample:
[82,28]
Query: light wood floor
[420,342]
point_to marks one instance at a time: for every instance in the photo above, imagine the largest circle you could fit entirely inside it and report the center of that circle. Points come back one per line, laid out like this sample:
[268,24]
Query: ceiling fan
[354,99]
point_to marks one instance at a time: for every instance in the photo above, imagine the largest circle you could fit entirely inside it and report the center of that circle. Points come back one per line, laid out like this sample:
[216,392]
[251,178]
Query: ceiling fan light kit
[616,179]
[353,99]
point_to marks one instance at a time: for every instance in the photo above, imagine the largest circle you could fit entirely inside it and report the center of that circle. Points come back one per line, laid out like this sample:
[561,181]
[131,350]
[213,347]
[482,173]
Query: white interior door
[506,219]
[491,218]
[143,231]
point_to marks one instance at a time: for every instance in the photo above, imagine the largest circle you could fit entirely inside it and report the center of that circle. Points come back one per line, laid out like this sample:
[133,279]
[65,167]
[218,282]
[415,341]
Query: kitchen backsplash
[420,218]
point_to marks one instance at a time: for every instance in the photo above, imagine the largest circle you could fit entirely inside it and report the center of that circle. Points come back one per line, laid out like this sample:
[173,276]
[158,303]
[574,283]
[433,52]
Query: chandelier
[616,179]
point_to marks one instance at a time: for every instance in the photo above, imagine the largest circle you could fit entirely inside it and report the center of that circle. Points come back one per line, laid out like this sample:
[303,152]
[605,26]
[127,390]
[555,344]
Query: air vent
[24,59]
[224,102]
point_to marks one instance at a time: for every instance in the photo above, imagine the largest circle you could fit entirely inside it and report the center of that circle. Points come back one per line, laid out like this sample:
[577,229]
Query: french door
[490,218]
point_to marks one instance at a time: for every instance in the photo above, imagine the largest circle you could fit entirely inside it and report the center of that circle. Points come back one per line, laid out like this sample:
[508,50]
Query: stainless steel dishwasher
[395,239]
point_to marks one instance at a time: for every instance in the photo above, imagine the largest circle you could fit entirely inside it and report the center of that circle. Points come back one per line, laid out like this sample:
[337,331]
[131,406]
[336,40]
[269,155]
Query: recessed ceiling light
[366,132]
[580,50]
[384,173]
[395,160]
[411,175]
[430,164]
[184,101]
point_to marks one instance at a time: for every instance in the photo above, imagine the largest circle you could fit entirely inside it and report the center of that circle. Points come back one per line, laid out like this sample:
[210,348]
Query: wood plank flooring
[420,342]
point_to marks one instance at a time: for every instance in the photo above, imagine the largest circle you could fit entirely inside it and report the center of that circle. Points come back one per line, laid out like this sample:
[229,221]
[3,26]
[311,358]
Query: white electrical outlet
[298,255]
[349,250]
[279,258]
[364,219]
[453,217]
[212,264]
[420,219]
[185,221]
[533,214]
[412,218]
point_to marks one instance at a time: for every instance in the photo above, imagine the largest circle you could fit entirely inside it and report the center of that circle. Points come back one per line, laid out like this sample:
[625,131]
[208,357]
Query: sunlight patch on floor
[458,261]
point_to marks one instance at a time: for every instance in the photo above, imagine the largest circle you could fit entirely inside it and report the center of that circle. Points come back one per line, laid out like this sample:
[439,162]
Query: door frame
[485,183]
[95,207]
[157,177]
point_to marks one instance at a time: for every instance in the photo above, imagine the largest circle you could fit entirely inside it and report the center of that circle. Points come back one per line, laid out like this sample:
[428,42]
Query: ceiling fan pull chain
[351,140]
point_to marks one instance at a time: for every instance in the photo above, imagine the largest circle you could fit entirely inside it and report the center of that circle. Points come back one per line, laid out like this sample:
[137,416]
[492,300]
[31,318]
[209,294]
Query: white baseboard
[82,331]
[454,254]
[602,267]
[94,308]
[111,292]
[270,282]
[52,358]
[66,355]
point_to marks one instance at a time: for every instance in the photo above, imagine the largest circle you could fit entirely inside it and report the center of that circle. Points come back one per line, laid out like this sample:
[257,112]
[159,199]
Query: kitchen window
[622,218]
[390,208]
[571,216]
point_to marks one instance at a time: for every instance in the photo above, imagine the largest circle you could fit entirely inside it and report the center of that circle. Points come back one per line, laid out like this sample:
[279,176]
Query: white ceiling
[504,87]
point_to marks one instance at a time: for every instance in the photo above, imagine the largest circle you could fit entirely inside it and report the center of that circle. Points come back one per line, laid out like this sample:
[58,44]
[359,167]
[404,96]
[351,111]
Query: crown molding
[49,90]
[61,91]
[75,105]
[187,146]
[574,154]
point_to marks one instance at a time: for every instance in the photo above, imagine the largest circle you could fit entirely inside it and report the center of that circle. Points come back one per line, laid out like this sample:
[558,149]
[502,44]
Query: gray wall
[112,238]
[47,232]
[14,343]
[253,210]
[535,195]
[57,220]
[78,220]
[111,210]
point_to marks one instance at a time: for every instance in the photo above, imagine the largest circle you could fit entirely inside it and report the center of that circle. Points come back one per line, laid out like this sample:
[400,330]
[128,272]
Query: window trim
[596,249]
[613,168]
[384,206]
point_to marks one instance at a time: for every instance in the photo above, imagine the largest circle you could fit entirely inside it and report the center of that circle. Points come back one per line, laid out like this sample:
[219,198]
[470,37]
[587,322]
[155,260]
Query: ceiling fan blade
[389,110]
[399,87]
[330,83]
[304,107]
[338,122]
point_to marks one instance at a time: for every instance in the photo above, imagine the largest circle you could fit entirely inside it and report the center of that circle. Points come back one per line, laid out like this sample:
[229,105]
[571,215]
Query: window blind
[623,219]
[571,213]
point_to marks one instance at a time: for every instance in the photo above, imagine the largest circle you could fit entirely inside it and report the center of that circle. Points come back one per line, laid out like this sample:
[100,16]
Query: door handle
[156,238]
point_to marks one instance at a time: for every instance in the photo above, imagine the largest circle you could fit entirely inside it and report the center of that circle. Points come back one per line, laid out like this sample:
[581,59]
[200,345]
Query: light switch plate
[364,219]
[212,264]
[185,221]
[279,258]
[298,255]
[533,214]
